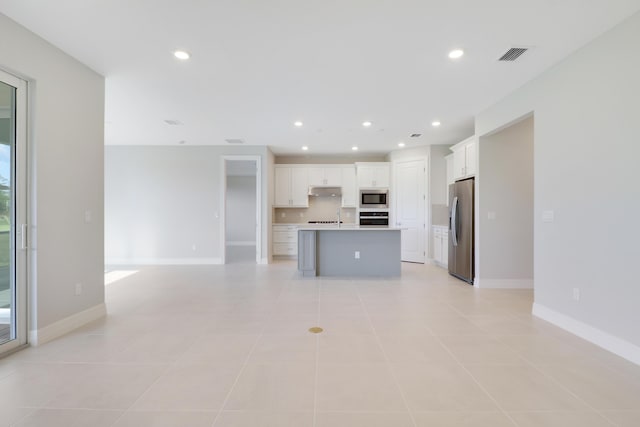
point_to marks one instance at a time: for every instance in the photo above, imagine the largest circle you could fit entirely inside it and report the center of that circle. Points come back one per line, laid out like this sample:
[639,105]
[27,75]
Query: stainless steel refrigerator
[461,237]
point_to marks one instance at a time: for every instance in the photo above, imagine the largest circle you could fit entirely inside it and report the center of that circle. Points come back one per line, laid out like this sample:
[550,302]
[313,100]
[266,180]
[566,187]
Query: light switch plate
[491,216]
[547,216]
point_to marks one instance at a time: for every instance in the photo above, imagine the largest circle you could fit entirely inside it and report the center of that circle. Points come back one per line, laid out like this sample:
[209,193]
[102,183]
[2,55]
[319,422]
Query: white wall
[506,190]
[66,139]
[241,210]
[438,174]
[586,155]
[160,201]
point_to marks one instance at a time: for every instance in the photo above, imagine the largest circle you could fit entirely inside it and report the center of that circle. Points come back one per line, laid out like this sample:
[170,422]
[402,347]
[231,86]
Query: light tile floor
[228,346]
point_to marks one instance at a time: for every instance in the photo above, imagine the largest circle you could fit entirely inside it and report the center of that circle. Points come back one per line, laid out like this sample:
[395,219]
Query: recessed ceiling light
[400,144]
[181,54]
[354,148]
[298,124]
[305,148]
[456,53]
[366,124]
[435,124]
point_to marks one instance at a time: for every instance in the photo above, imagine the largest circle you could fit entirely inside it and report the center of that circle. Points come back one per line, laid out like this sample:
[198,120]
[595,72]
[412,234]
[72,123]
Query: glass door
[13,229]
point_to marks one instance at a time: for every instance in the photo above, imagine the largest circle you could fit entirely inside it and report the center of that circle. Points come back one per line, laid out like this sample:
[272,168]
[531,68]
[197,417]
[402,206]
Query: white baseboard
[600,338]
[505,283]
[163,261]
[240,243]
[264,261]
[66,325]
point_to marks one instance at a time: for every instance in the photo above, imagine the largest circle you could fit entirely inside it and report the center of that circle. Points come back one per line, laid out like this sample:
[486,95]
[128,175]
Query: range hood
[325,191]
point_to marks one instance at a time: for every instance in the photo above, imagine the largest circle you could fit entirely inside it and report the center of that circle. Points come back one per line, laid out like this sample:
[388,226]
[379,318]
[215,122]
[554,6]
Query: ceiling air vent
[415,135]
[173,122]
[513,54]
[234,141]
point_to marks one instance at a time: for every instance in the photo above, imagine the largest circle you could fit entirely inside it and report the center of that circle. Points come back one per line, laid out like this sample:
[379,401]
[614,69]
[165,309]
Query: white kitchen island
[350,251]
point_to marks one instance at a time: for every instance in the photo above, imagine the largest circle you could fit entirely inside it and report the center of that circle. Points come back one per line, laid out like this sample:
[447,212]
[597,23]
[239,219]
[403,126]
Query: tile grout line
[317,371]
[386,357]
[167,367]
[533,365]
[529,362]
[566,389]
[244,365]
[470,374]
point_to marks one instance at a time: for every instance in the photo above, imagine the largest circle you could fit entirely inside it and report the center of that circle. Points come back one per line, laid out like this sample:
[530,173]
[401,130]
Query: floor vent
[513,54]
[234,141]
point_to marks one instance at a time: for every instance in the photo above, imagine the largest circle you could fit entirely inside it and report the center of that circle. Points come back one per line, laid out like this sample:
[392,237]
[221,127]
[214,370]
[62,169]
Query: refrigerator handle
[454,221]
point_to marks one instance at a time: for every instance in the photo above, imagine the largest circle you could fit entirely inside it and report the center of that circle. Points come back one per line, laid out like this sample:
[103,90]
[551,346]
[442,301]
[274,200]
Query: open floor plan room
[204,346]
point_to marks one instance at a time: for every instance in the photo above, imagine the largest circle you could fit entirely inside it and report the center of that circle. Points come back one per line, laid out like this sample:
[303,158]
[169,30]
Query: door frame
[223,204]
[19,233]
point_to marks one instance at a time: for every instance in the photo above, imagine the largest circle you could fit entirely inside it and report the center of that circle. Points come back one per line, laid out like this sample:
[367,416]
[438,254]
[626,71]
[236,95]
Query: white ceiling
[259,65]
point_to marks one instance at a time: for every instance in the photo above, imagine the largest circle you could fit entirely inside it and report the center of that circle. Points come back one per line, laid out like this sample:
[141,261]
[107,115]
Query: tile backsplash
[439,215]
[320,209]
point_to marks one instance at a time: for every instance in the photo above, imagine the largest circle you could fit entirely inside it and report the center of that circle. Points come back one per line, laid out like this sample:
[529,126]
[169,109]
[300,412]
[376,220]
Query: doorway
[505,207]
[13,243]
[241,218]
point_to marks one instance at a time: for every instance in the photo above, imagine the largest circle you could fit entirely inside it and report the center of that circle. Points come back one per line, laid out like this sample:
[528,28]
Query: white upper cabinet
[291,187]
[470,158]
[316,176]
[464,159]
[349,190]
[299,187]
[373,175]
[329,176]
[459,163]
[282,186]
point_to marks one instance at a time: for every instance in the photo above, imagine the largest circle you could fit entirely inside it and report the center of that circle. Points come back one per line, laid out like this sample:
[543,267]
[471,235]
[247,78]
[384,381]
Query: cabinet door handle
[454,222]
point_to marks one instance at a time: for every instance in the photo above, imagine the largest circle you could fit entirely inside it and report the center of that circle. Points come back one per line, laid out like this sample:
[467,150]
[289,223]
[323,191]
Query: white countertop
[345,227]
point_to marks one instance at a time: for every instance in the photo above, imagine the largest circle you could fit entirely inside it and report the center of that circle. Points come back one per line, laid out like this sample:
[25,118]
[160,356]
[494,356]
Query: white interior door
[410,208]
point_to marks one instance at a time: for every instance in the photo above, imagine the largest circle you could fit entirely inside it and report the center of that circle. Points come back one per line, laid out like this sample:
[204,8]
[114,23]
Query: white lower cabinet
[441,246]
[285,240]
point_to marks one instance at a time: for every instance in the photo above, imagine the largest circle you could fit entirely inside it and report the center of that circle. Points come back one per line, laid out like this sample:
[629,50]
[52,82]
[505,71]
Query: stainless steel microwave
[374,199]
